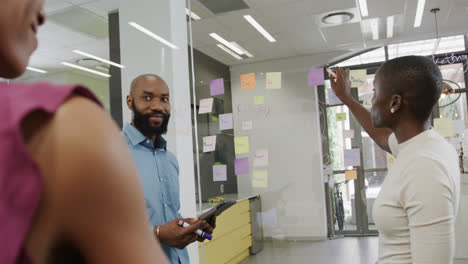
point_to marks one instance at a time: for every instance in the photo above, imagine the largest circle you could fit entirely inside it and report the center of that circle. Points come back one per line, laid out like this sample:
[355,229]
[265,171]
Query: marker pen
[198,231]
[331,72]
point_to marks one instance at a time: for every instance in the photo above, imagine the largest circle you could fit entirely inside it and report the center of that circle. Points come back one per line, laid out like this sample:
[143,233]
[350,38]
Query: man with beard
[158,168]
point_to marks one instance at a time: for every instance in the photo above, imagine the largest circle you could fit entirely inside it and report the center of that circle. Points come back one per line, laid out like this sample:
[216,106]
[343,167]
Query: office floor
[349,250]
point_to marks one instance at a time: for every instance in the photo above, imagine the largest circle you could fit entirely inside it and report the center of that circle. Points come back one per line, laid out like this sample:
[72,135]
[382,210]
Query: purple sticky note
[315,77]
[241,166]
[217,87]
[225,121]
[352,157]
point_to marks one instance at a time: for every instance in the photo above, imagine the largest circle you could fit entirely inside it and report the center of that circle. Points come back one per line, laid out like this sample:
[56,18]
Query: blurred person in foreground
[69,191]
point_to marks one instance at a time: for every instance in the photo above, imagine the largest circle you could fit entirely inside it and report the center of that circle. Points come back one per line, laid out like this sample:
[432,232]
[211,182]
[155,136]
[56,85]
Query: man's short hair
[417,79]
[135,81]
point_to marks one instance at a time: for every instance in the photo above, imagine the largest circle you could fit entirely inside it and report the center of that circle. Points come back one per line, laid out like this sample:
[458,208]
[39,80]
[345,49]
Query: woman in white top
[417,205]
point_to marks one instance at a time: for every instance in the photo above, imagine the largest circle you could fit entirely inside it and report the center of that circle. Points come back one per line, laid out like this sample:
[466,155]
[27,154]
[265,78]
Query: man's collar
[136,137]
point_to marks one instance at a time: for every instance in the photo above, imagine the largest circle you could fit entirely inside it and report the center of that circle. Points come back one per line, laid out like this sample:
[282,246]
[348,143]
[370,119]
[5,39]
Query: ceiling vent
[224,6]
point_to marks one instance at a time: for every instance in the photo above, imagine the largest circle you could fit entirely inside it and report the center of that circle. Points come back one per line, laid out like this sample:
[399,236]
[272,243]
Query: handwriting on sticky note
[259,100]
[358,78]
[315,77]
[248,81]
[273,80]
[206,105]
[444,126]
[261,158]
[241,166]
[367,103]
[352,157]
[209,144]
[217,87]
[351,175]
[219,173]
[225,121]
[260,179]
[341,117]
[241,145]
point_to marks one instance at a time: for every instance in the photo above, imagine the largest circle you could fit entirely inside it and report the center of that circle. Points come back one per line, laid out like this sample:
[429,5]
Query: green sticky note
[367,103]
[218,163]
[341,117]
[260,179]
[214,119]
[259,100]
[241,145]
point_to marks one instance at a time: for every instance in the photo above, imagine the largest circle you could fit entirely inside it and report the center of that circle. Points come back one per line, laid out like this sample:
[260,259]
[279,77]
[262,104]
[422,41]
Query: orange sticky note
[248,81]
[351,175]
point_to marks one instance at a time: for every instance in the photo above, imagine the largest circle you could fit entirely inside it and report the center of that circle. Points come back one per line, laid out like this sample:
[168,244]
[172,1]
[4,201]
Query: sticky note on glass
[352,157]
[367,103]
[248,81]
[332,98]
[273,80]
[458,126]
[219,173]
[241,166]
[206,105]
[390,160]
[225,121]
[348,133]
[260,179]
[247,125]
[261,158]
[351,175]
[214,119]
[315,77]
[209,144]
[328,170]
[241,145]
[444,126]
[341,117]
[259,100]
[217,87]
[358,78]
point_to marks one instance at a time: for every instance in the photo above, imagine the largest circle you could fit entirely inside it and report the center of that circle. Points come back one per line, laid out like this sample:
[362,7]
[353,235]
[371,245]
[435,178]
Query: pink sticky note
[225,121]
[241,166]
[217,87]
[315,77]
[219,173]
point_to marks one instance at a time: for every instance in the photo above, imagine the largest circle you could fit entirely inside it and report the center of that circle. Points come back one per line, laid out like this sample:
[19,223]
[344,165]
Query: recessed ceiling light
[221,46]
[85,69]
[390,22]
[226,43]
[241,48]
[35,70]
[153,35]
[258,27]
[98,58]
[419,13]
[192,14]
[337,18]
[363,7]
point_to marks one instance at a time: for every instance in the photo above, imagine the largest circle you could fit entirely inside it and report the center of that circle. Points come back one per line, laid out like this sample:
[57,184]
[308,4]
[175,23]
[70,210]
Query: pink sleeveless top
[20,178]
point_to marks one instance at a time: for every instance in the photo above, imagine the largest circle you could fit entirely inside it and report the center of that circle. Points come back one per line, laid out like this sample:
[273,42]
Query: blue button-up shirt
[159,172]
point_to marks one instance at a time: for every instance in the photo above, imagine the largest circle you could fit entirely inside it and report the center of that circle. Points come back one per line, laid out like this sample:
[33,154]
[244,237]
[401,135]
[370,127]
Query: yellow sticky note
[444,126]
[273,80]
[259,100]
[358,78]
[390,161]
[367,103]
[248,81]
[241,145]
[351,175]
[260,179]
[341,117]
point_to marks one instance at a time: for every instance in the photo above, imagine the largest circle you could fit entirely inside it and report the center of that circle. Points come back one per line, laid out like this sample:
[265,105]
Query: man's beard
[142,123]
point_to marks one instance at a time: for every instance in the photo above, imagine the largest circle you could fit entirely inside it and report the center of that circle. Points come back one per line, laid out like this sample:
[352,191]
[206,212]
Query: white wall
[141,54]
[295,196]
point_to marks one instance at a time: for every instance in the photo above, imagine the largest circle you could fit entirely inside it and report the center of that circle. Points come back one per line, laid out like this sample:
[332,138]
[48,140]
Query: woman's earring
[392,110]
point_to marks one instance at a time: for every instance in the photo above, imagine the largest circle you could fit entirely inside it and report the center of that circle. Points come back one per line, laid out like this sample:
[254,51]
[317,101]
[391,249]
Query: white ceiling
[294,23]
